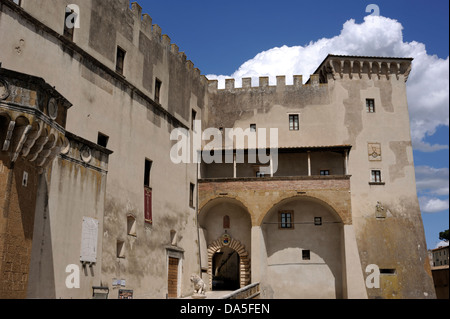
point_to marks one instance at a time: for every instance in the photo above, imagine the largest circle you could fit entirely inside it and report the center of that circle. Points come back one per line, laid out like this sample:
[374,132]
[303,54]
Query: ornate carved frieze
[33,118]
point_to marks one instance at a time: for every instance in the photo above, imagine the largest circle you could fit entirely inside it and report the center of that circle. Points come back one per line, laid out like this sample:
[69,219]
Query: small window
[325,172]
[294,122]
[120,60]
[102,139]
[158,85]
[388,271]
[226,222]
[25,179]
[370,105]
[68,24]
[194,116]
[260,174]
[191,195]
[252,127]
[131,225]
[306,254]
[286,220]
[376,176]
[18,2]
[120,249]
[147,171]
[318,221]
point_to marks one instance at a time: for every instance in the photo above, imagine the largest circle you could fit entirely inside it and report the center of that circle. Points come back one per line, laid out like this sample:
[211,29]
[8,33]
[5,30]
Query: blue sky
[240,38]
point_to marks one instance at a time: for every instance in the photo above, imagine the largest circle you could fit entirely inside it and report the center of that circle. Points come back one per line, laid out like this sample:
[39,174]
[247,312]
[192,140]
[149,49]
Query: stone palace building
[92,203]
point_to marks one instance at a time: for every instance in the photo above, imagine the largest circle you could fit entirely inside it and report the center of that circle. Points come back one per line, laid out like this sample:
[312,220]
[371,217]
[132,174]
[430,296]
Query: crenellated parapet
[144,23]
[359,67]
[332,68]
[230,84]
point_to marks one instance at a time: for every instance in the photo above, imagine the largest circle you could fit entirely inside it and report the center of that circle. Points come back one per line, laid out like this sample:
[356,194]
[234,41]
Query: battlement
[334,67]
[144,23]
[264,83]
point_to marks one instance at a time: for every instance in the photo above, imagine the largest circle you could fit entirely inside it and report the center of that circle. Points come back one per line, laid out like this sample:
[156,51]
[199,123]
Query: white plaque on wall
[89,236]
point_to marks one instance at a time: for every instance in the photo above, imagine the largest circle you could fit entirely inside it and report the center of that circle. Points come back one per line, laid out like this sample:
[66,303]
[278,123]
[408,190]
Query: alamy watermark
[73,279]
[73,16]
[226,146]
[373,9]
[373,277]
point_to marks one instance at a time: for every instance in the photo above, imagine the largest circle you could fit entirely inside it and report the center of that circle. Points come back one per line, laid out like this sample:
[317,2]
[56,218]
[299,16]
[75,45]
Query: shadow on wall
[41,282]
[305,260]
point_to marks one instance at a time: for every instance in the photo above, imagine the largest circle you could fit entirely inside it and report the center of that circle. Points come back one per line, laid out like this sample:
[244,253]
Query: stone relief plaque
[374,151]
[89,237]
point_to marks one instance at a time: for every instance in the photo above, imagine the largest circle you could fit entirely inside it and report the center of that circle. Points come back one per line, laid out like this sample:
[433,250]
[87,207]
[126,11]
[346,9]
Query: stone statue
[199,287]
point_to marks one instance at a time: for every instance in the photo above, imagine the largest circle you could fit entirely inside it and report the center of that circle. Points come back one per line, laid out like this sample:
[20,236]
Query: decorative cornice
[340,66]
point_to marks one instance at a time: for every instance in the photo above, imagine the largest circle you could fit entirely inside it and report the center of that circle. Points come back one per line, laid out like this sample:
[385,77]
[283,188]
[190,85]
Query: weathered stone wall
[72,189]
[17,207]
[123,107]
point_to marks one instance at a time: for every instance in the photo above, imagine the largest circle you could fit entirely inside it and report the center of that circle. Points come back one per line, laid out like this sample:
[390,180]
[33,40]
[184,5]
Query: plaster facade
[159,222]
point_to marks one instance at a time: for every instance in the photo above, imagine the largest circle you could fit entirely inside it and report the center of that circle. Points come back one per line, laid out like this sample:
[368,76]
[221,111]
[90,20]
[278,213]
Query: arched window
[226,222]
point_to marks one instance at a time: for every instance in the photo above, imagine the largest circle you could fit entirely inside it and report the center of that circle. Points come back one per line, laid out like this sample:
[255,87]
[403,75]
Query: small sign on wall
[89,237]
[125,294]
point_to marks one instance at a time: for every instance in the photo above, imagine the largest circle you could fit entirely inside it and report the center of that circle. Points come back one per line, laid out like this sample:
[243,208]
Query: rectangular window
[294,122]
[370,105]
[68,25]
[120,249]
[191,195]
[388,271]
[318,221]
[120,60]
[252,127]
[325,172]
[260,174]
[131,225]
[376,176]
[286,220]
[158,85]
[194,116]
[148,209]
[102,139]
[306,254]
[147,171]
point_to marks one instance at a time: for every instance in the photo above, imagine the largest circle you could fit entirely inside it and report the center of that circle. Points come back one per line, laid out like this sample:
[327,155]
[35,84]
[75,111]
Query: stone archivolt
[244,263]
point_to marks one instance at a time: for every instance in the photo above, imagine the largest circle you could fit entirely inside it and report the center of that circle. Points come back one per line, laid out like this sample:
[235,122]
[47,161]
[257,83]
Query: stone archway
[244,259]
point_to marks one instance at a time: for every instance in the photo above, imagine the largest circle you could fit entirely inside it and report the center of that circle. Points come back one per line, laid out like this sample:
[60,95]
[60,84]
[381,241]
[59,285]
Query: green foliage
[443,235]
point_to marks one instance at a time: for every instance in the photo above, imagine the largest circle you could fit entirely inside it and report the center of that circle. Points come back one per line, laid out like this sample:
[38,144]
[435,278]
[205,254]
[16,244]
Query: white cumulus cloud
[428,84]
[433,205]
[433,188]
[432,181]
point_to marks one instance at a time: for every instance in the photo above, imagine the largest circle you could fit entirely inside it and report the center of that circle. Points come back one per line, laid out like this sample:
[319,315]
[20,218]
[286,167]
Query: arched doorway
[228,251]
[225,239]
[304,247]
[225,269]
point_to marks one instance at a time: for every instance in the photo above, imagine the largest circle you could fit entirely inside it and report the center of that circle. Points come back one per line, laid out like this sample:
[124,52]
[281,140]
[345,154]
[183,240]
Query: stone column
[259,255]
[354,282]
